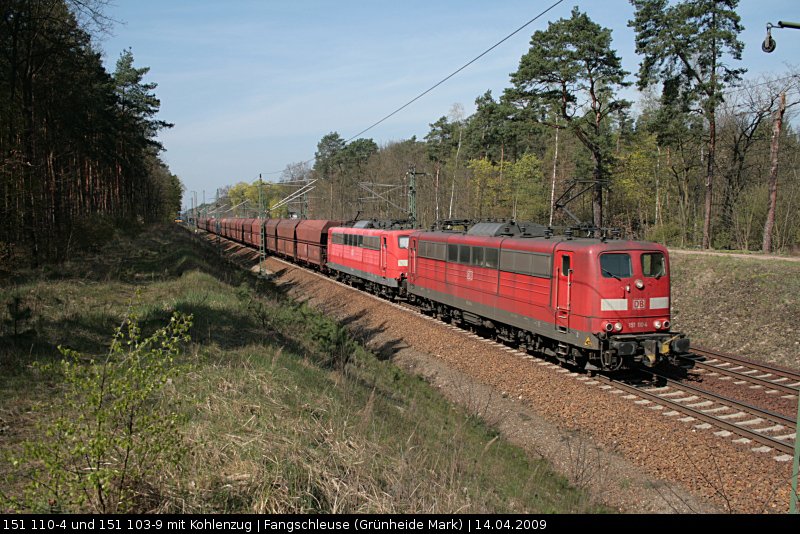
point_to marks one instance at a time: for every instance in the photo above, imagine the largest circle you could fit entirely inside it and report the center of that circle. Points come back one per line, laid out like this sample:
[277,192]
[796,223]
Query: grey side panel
[389,282]
[543,328]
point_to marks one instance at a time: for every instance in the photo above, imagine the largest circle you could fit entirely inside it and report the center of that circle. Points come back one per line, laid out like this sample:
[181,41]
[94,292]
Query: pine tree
[572,72]
[683,47]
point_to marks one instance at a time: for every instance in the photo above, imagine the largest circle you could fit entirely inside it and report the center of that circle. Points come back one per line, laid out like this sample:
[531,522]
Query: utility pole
[412,193]
[262,246]
[216,221]
[553,186]
[795,463]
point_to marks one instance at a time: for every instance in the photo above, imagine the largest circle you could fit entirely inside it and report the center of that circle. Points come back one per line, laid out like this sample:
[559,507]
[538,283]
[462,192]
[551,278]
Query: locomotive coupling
[650,347]
[624,348]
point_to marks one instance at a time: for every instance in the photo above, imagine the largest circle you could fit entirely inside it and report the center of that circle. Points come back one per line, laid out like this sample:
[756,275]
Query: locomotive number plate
[638,304]
[470,275]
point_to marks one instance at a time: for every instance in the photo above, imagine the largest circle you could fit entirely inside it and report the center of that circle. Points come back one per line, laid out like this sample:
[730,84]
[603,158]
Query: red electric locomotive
[598,304]
[373,257]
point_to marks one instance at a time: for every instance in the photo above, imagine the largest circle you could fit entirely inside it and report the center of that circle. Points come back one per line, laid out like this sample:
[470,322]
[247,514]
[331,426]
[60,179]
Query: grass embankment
[282,410]
[745,306]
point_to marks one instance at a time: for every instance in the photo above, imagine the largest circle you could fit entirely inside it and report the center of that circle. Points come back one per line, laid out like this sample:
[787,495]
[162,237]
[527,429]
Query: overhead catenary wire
[470,62]
[443,80]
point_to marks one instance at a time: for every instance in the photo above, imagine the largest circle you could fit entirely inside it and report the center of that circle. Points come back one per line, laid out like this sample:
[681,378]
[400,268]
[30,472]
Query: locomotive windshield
[616,266]
[653,265]
[402,241]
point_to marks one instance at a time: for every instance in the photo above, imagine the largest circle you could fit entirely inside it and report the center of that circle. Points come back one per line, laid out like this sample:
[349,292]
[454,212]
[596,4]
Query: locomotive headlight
[639,284]
[657,324]
[609,327]
[618,327]
[666,324]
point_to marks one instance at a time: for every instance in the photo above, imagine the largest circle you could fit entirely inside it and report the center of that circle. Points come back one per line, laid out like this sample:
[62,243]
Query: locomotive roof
[497,229]
[372,231]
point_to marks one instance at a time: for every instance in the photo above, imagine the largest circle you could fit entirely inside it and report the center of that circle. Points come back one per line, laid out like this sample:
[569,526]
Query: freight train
[598,304]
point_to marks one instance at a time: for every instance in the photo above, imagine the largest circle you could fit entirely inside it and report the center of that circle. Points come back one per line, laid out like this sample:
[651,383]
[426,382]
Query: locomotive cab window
[616,266]
[402,241]
[565,265]
[654,265]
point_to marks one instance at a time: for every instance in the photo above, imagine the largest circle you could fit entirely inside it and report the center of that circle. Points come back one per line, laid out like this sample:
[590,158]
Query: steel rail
[766,382]
[778,445]
[755,410]
[780,371]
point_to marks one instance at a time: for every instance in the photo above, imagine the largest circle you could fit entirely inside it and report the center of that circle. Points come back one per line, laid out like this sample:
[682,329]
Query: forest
[706,158]
[78,148]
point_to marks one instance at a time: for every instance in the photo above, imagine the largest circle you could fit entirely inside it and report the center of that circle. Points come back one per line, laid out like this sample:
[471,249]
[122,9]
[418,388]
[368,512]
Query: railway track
[774,380]
[767,430]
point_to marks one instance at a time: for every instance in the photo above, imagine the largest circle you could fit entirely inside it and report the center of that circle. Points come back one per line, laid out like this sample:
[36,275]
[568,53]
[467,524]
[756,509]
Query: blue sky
[253,85]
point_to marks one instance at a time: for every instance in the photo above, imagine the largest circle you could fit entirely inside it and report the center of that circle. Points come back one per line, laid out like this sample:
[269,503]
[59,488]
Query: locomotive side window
[372,242]
[452,253]
[463,254]
[565,268]
[653,265]
[490,258]
[402,241]
[616,266]
[477,256]
[338,239]
[432,250]
[532,264]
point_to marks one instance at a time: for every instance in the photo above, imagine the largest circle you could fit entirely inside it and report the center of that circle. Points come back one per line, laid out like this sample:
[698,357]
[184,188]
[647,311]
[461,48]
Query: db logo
[638,304]
[469,275]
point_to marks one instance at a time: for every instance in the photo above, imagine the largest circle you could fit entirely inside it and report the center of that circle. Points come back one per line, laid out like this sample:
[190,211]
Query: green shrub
[115,429]
[667,234]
